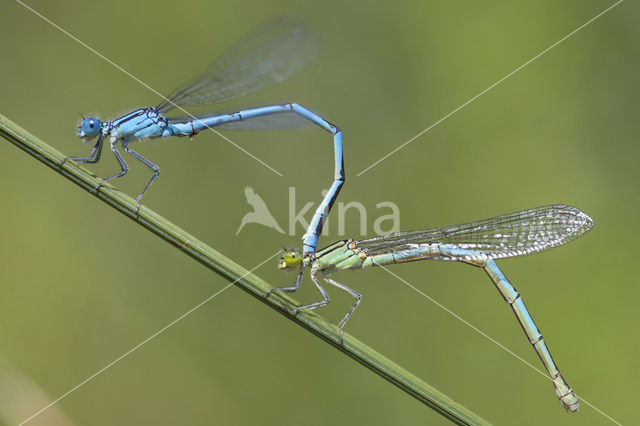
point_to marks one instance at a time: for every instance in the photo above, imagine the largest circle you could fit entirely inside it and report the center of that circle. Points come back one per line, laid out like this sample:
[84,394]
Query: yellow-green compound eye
[292,258]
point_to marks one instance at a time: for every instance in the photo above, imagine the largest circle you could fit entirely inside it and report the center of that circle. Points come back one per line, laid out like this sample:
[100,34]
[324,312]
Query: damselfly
[269,55]
[475,243]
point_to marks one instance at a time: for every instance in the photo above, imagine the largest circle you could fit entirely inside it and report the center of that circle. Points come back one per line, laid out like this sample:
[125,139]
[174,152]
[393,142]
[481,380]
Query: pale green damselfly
[475,243]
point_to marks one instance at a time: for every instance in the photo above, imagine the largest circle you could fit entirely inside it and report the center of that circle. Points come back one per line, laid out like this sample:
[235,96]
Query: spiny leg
[291,289]
[325,297]
[152,166]
[351,292]
[123,165]
[564,392]
[96,150]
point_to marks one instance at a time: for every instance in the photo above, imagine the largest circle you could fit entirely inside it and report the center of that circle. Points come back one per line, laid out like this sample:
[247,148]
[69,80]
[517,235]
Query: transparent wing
[285,120]
[269,55]
[510,235]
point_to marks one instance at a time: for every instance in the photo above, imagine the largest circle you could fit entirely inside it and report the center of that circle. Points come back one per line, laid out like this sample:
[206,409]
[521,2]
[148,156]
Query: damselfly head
[90,128]
[290,259]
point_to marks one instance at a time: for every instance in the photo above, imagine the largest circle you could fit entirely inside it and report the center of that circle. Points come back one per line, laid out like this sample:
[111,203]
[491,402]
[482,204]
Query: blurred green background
[81,285]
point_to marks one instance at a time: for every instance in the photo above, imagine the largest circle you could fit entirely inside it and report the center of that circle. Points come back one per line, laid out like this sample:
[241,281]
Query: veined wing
[269,55]
[514,234]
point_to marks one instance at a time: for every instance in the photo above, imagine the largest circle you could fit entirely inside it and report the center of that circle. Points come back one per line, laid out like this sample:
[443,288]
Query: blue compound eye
[90,128]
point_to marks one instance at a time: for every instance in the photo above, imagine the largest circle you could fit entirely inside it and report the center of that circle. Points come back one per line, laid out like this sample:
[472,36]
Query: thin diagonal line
[491,339]
[145,85]
[492,86]
[91,377]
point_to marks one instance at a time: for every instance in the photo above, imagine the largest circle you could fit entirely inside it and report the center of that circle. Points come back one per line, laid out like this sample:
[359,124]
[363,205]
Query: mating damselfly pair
[271,54]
